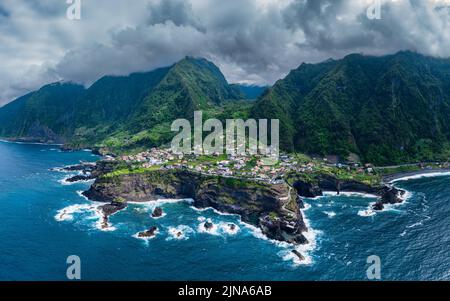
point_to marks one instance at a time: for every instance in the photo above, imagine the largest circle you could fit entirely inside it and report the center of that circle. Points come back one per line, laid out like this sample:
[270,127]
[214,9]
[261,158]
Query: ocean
[412,240]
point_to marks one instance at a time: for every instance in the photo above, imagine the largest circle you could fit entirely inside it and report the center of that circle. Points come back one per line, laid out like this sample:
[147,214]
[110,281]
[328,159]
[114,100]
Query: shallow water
[411,239]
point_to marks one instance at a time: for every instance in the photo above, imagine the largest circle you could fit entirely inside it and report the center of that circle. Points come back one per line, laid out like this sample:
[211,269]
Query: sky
[252,41]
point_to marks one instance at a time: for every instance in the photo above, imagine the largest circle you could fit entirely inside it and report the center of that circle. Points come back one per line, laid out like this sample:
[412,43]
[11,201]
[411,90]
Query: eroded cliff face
[273,208]
[314,186]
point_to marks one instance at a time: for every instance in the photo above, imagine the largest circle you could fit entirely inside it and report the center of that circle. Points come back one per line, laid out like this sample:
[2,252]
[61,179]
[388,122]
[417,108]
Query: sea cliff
[275,208]
[311,186]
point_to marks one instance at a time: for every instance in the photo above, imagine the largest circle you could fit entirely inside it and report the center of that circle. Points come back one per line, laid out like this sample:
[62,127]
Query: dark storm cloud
[255,41]
[3,12]
[177,11]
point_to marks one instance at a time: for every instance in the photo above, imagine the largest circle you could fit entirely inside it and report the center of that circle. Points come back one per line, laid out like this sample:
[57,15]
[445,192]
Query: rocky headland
[315,185]
[274,208]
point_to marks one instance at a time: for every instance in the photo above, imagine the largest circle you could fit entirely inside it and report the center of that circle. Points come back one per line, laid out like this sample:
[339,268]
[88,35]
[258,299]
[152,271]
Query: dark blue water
[412,240]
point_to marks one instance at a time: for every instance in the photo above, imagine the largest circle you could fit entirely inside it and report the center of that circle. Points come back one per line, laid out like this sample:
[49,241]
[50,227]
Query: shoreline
[29,143]
[419,173]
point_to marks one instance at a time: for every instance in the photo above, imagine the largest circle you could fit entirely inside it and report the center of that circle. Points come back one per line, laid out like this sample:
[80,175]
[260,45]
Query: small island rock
[157,212]
[149,233]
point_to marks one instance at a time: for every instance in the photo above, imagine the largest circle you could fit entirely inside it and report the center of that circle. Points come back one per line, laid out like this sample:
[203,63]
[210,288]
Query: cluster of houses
[253,167]
[153,157]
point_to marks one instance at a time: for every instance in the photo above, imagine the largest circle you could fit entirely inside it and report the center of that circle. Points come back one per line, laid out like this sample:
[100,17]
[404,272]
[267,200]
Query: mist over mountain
[386,110]
[127,111]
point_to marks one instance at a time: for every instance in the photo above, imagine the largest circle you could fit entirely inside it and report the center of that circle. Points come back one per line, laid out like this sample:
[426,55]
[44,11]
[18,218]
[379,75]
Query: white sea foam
[257,233]
[305,250]
[158,217]
[180,232]
[99,224]
[160,202]
[287,255]
[30,143]
[214,230]
[415,225]
[221,228]
[422,175]
[349,194]
[226,228]
[80,193]
[65,182]
[330,214]
[66,214]
[367,212]
[140,210]
[214,210]
[407,195]
[307,206]
[145,238]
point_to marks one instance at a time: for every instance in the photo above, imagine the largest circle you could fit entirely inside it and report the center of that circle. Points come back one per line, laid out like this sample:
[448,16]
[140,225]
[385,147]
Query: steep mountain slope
[251,92]
[42,116]
[124,112]
[190,85]
[388,109]
[108,103]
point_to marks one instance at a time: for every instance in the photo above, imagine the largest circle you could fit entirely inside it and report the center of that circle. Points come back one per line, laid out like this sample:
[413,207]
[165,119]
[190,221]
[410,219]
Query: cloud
[253,41]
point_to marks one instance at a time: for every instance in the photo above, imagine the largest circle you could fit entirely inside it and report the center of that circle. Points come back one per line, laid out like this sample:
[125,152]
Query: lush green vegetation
[130,170]
[391,109]
[387,110]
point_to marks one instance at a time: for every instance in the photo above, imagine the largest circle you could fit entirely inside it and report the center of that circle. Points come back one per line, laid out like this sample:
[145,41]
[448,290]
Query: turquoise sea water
[412,239]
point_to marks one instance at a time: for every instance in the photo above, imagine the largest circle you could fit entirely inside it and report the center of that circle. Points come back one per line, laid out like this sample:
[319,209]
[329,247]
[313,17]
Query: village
[246,167]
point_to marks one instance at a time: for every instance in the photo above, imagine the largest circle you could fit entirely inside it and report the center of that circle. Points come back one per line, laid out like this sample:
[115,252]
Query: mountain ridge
[384,109]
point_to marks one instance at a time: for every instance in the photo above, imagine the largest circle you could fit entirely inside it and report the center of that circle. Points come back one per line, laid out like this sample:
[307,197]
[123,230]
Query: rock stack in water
[157,212]
[149,233]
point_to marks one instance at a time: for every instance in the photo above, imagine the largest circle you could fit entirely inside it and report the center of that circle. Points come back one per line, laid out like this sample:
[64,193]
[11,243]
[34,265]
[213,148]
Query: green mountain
[250,92]
[387,110]
[125,112]
[43,116]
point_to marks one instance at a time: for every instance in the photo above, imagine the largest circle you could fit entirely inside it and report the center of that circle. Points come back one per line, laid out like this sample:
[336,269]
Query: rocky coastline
[315,186]
[395,176]
[274,208]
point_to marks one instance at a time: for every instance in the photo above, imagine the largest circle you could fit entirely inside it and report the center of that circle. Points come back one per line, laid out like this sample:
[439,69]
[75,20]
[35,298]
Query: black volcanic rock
[85,167]
[112,208]
[392,195]
[157,212]
[306,189]
[378,206]
[149,233]
[298,254]
[247,198]
[282,230]
[389,195]
[78,178]
[319,182]
[208,225]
